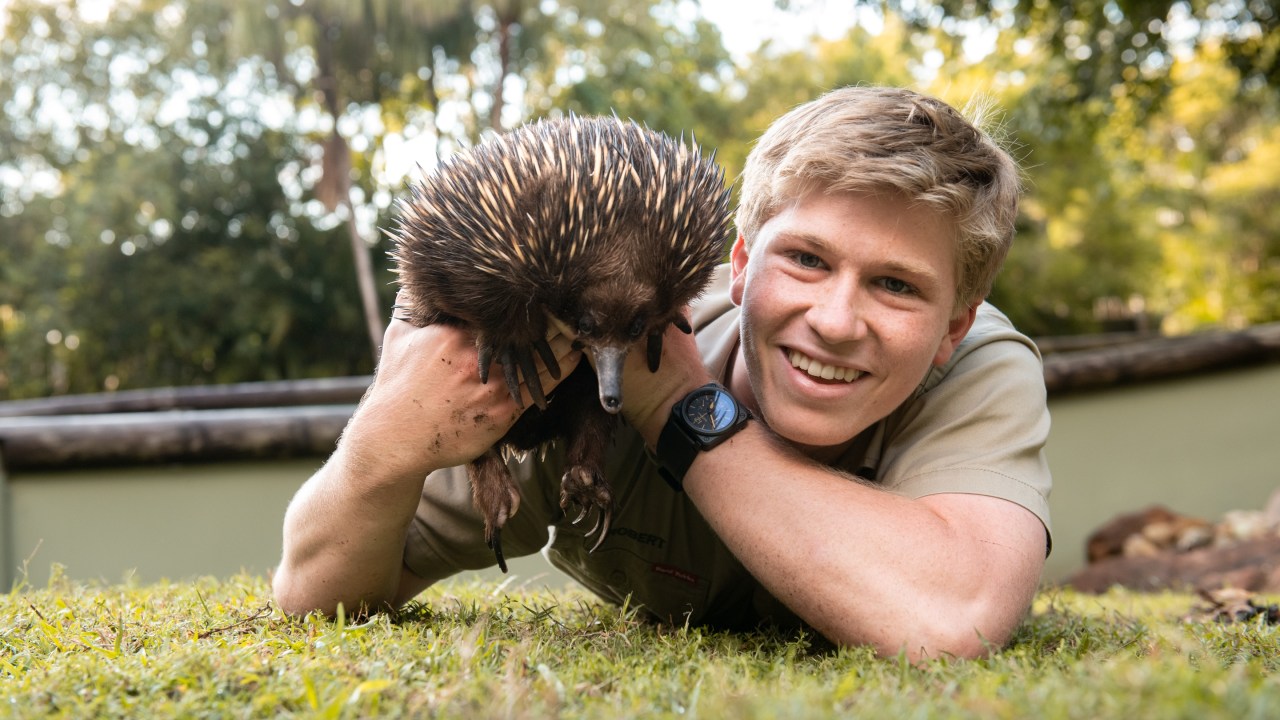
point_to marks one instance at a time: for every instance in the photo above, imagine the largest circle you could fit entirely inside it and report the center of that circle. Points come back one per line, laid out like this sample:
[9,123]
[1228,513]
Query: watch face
[710,410]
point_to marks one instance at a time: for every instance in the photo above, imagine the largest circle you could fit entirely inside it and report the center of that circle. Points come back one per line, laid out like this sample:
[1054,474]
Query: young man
[889,487]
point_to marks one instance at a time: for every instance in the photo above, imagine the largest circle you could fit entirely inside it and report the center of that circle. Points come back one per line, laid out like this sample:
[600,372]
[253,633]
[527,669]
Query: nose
[839,313]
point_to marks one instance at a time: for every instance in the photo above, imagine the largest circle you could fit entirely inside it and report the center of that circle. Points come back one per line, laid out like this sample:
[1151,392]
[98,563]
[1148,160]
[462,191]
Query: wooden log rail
[305,417]
[322,391]
[169,436]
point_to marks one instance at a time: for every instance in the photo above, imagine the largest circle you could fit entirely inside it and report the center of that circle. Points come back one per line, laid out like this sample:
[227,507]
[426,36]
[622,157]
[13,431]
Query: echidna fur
[607,226]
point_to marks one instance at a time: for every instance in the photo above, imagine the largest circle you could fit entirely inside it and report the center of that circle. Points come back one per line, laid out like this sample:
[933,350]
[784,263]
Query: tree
[347,57]
[148,238]
[1129,114]
[162,170]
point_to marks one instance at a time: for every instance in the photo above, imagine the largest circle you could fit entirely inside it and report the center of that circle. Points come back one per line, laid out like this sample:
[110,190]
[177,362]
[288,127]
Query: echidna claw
[654,351]
[512,376]
[683,325]
[525,361]
[484,358]
[606,516]
[548,357]
[495,544]
[582,513]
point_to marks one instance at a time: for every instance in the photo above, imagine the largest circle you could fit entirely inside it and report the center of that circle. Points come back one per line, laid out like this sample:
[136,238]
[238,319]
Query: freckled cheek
[914,343]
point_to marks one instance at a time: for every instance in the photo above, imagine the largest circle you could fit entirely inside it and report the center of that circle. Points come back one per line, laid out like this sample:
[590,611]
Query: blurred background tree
[190,192]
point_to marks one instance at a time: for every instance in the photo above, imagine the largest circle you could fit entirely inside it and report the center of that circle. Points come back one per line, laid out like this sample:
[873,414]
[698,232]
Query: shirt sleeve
[979,426]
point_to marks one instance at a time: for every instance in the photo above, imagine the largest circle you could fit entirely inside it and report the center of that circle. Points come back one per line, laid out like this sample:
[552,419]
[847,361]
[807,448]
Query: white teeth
[818,370]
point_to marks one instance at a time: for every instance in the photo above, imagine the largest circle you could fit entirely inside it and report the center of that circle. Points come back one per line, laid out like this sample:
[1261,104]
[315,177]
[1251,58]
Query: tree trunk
[364,276]
[335,185]
[171,436]
[505,22]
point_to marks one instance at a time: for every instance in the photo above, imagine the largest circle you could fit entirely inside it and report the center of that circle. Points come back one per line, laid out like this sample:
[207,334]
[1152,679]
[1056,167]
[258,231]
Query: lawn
[217,648]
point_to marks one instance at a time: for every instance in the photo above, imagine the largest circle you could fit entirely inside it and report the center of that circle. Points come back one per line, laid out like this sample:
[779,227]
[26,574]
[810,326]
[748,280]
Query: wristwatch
[700,421]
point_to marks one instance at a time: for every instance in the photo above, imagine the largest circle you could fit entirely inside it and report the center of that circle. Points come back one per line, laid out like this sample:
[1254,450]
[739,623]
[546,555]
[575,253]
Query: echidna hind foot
[584,485]
[495,495]
[585,488]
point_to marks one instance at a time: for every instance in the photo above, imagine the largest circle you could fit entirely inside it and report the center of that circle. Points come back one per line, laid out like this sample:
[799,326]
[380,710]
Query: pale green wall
[155,522]
[1202,446]
[163,522]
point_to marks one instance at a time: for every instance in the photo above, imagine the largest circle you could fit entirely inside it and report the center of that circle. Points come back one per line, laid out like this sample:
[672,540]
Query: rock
[1146,532]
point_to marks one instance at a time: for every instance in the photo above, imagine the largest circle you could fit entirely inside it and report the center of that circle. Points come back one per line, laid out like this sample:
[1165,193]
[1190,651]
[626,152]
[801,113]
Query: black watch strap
[676,451]
[699,421]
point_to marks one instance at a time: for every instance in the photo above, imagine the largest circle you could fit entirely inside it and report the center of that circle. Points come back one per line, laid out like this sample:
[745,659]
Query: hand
[427,408]
[649,396]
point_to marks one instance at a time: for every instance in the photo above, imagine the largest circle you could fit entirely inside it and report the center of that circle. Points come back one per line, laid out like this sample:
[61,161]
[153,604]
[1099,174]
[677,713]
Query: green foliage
[1127,116]
[633,59]
[164,249]
[214,648]
[170,212]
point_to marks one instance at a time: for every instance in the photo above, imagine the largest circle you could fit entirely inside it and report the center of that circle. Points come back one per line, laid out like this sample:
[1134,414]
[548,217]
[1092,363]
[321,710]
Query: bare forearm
[344,537]
[861,565]
[344,532]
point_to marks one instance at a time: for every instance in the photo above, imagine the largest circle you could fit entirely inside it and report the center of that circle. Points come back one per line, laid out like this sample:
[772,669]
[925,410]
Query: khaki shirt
[975,425]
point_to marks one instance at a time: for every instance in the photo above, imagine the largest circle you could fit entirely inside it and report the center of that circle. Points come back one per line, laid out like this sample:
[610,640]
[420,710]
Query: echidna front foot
[517,361]
[654,347]
[654,351]
[548,357]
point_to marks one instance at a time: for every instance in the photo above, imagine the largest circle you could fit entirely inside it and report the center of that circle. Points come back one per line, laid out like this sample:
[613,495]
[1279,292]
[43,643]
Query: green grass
[217,648]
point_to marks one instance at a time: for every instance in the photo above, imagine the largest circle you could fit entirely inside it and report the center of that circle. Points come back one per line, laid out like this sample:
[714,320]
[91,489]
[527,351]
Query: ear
[961,320]
[737,269]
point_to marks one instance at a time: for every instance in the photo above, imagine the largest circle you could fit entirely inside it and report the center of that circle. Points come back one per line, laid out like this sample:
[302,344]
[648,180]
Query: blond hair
[891,140]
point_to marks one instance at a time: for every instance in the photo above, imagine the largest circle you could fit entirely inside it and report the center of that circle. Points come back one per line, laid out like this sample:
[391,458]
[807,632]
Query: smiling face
[847,300]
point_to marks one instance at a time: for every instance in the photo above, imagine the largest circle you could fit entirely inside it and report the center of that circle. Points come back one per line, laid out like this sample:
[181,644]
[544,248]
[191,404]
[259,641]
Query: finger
[559,327]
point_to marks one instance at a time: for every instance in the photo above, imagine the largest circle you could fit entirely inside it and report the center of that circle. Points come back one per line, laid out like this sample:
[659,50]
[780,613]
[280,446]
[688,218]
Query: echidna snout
[608,363]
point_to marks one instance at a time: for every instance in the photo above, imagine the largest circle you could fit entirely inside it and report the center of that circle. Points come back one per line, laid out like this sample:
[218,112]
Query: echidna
[609,227]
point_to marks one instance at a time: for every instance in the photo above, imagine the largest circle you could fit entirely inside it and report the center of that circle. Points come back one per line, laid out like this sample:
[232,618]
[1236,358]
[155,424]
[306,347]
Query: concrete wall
[1201,445]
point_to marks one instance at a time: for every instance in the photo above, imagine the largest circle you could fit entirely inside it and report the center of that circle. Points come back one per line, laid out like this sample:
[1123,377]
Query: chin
[814,431]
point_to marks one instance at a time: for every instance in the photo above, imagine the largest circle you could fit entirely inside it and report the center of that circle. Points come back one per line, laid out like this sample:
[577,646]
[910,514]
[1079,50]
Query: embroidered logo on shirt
[675,572]
[642,538]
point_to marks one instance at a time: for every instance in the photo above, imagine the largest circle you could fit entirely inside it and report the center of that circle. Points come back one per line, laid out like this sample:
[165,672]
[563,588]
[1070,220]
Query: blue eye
[808,260]
[897,287]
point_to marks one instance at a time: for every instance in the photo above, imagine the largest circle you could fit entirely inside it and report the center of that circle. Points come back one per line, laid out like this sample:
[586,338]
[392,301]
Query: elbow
[961,641]
[968,631]
[929,633]
[299,594]
[289,596]
[297,598]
